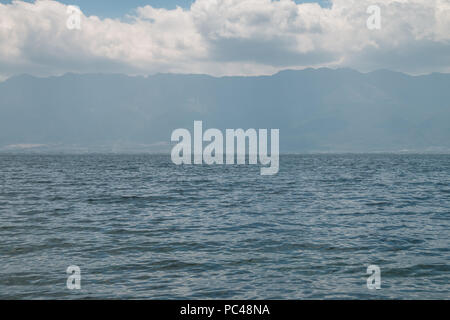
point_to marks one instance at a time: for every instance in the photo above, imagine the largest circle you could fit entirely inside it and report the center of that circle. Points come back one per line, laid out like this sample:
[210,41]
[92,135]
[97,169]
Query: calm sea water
[140,227]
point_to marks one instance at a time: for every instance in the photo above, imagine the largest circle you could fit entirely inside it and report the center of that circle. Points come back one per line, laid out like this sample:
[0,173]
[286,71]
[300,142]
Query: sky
[118,9]
[222,37]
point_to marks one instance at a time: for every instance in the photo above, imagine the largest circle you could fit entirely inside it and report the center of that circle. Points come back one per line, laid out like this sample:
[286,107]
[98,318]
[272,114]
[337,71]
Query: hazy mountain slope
[315,110]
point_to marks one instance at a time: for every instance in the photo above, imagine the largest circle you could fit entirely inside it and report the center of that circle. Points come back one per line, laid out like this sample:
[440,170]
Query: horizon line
[145,76]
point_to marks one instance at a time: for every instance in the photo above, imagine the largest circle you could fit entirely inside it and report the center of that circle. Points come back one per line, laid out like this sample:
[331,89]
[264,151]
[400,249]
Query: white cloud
[223,37]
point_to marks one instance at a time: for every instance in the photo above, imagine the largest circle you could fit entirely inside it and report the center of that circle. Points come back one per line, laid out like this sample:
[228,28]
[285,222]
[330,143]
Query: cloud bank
[227,37]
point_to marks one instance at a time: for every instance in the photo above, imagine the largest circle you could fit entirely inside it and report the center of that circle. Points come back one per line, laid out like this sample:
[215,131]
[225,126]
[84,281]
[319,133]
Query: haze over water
[140,227]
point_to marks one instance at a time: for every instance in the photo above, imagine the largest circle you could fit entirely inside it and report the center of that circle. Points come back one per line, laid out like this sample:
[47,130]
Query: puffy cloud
[223,37]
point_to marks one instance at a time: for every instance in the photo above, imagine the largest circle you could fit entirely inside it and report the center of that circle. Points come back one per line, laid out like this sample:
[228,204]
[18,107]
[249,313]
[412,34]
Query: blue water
[140,227]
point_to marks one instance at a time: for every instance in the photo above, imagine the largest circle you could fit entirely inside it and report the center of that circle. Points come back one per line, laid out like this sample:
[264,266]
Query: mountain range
[316,110]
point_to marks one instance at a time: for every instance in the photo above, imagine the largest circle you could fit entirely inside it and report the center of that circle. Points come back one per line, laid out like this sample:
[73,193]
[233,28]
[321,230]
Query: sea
[139,227]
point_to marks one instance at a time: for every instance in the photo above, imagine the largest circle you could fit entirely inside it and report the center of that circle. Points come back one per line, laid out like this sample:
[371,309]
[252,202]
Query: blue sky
[222,37]
[116,9]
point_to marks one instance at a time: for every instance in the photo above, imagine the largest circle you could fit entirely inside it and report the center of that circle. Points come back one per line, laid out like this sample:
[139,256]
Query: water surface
[140,227]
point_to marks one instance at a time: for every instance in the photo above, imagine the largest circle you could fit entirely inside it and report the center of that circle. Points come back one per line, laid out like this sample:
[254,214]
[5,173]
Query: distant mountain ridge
[316,110]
